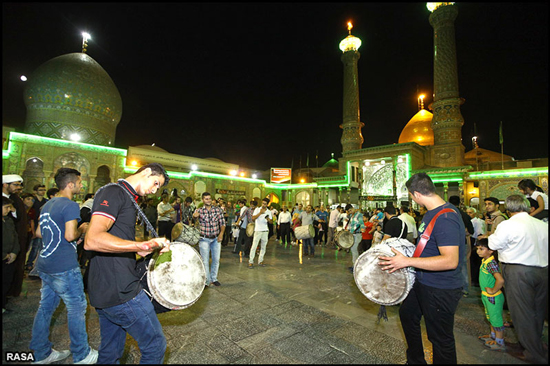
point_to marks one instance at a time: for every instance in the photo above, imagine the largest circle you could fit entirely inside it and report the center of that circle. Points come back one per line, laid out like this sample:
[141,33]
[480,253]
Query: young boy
[490,282]
[377,235]
[10,248]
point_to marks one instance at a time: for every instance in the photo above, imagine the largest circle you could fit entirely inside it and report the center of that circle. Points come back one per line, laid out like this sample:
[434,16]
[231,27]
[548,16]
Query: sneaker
[250,266]
[495,346]
[216,283]
[485,338]
[261,264]
[54,357]
[90,359]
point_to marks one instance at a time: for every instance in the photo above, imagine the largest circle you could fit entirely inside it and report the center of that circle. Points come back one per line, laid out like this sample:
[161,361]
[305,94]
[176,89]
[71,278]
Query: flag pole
[501,140]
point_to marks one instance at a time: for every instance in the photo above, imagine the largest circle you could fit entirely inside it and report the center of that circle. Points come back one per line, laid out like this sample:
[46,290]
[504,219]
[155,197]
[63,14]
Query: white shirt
[543,195]
[333,218]
[522,239]
[411,224]
[261,222]
[479,227]
[284,218]
[162,207]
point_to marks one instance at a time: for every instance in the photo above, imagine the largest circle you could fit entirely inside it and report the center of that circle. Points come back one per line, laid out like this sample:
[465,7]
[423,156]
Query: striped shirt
[356,223]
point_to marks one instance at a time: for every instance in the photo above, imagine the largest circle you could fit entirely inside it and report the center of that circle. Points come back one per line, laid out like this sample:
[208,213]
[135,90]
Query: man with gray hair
[522,244]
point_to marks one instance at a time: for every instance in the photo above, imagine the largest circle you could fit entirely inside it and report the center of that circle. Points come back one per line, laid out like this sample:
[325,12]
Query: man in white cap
[12,185]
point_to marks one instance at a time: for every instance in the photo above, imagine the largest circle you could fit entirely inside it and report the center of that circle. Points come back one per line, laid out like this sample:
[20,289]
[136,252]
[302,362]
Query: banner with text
[281,175]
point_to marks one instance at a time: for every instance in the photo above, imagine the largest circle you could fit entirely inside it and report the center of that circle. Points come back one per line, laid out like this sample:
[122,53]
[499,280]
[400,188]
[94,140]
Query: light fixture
[75,137]
[194,167]
[254,176]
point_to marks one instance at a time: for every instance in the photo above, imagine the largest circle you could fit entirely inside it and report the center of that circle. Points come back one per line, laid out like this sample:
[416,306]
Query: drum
[344,239]
[380,286]
[250,229]
[304,232]
[176,278]
[185,234]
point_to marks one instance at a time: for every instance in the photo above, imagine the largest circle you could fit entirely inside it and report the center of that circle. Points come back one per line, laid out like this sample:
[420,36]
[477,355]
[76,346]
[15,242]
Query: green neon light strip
[21,137]
[509,173]
[443,180]
[180,175]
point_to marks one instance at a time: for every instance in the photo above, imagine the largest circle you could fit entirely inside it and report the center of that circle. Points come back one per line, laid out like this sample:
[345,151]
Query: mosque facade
[73,109]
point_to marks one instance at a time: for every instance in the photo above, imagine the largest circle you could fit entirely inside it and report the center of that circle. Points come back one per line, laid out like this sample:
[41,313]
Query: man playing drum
[113,285]
[438,285]
[306,218]
[356,226]
[212,226]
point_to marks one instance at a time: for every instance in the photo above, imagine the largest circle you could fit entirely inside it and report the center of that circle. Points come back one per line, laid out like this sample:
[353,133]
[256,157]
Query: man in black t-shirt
[394,227]
[114,285]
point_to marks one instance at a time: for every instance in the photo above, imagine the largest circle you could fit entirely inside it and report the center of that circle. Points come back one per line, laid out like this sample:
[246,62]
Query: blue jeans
[136,317]
[206,246]
[36,245]
[308,246]
[69,287]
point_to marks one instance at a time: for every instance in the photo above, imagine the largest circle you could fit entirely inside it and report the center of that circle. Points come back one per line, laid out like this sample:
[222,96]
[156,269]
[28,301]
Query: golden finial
[349,27]
[85,37]
[421,102]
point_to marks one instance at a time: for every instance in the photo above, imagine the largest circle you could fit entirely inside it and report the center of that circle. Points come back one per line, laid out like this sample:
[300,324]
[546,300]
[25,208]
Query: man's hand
[10,257]
[394,263]
[83,228]
[147,247]
[196,214]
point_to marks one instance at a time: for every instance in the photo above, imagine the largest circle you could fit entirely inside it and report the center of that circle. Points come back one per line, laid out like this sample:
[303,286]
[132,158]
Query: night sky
[260,85]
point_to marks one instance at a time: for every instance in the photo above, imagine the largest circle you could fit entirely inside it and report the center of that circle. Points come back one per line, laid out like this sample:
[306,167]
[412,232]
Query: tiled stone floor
[289,312]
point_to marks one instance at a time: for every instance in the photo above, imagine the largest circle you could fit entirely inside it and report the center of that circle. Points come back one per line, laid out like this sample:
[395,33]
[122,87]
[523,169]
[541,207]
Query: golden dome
[419,129]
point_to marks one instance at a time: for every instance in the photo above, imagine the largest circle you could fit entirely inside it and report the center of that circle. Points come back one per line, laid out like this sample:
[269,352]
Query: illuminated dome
[419,129]
[332,163]
[350,43]
[73,97]
[480,156]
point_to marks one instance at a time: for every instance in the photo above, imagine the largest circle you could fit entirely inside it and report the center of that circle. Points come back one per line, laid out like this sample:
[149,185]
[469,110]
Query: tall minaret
[352,139]
[447,120]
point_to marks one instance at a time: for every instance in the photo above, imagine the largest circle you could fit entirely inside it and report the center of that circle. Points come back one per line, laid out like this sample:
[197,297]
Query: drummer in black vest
[394,226]
[438,285]
[114,284]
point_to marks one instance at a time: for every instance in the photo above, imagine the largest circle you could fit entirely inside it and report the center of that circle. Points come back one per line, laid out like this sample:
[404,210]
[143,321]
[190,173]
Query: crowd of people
[92,247]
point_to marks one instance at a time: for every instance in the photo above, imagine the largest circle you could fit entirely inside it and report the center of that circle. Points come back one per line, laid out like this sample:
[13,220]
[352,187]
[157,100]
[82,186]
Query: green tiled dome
[73,94]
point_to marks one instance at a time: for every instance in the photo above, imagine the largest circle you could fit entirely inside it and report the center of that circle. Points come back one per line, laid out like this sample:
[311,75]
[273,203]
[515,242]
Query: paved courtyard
[292,311]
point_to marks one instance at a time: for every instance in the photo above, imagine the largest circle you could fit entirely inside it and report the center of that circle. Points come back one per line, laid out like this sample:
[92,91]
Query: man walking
[522,244]
[438,286]
[60,273]
[212,227]
[283,224]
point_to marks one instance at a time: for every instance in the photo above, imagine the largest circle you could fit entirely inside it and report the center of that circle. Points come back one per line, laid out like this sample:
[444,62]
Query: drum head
[176,231]
[176,278]
[380,286]
[345,239]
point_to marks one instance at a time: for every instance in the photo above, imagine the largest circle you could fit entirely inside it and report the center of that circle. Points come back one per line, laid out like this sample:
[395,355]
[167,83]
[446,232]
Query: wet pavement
[293,311]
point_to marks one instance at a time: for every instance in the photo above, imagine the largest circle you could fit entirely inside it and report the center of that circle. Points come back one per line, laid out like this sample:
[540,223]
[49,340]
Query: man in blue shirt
[60,273]
[438,286]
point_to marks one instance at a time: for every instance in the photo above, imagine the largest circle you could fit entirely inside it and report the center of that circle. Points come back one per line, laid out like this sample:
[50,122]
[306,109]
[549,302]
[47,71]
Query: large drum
[380,286]
[185,234]
[176,278]
[344,239]
[304,232]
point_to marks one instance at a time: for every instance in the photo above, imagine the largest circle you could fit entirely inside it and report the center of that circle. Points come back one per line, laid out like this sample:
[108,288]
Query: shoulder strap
[428,232]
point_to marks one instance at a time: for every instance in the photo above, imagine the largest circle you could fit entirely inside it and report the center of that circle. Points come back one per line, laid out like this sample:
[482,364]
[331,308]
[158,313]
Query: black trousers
[165,229]
[8,271]
[527,297]
[285,232]
[438,306]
